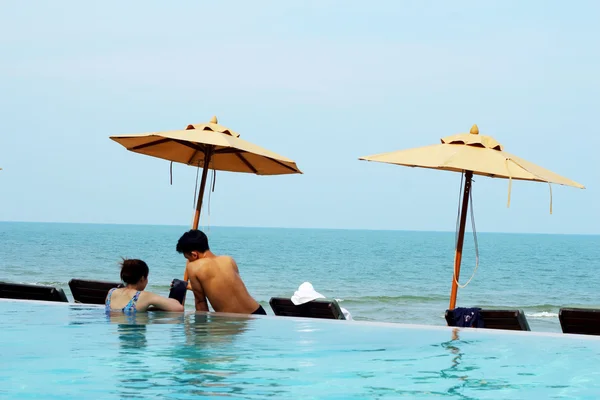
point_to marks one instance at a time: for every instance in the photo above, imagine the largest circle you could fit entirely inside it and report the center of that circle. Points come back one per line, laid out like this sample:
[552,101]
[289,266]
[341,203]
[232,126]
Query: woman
[133,298]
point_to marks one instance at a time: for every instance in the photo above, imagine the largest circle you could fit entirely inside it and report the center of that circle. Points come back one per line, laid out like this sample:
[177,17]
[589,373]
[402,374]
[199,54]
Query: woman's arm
[163,303]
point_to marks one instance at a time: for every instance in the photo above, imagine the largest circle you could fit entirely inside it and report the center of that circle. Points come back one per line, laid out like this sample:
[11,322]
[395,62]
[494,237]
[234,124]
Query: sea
[389,276]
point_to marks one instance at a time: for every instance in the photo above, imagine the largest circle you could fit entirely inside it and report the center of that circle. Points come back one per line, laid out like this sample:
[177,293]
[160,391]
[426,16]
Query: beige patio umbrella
[210,146]
[471,154]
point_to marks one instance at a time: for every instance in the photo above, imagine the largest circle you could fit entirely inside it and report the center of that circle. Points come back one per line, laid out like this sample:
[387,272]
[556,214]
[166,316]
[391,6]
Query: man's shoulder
[197,264]
[206,264]
[225,260]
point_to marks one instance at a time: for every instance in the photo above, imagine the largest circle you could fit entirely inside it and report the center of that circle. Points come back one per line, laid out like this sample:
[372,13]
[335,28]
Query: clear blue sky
[321,82]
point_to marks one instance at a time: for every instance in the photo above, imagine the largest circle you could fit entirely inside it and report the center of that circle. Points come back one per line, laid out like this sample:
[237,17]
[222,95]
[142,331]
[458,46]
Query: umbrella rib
[203,149]
[155,143]
[195,146]
[250,167]
[227,150]
[283,165]
[237,152]
[192,157]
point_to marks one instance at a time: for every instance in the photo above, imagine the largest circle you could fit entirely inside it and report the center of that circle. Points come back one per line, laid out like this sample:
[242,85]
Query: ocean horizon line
[187,227]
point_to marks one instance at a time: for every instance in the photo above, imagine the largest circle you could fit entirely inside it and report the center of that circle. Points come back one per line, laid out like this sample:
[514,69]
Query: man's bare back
[215,278]
[218,279]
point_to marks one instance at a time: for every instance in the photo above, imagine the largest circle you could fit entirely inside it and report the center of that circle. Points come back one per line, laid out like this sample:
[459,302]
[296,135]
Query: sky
[320,82]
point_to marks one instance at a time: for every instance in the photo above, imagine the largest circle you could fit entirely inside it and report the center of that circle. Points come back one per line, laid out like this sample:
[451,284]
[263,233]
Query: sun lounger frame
[23,291]
[89,291]
[582,321]
[320,308]
[513,320]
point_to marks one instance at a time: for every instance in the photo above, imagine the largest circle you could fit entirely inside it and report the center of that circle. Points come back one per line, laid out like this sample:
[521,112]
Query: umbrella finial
[475,129]
[213,120]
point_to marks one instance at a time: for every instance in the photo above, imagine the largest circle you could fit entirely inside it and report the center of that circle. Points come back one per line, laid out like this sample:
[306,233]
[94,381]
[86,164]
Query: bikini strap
[110,292]
[133,302]
[136,296]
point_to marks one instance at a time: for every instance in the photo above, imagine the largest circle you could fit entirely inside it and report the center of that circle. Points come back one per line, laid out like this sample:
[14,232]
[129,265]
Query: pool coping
[395,325]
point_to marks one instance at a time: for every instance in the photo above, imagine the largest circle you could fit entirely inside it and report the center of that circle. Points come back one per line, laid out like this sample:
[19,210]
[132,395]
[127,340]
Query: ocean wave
[543,314]
[45,283]
[538,307]
[542,307]
[395,299]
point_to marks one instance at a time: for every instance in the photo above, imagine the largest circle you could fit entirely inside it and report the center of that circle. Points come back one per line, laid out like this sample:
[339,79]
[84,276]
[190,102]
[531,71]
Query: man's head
[193,244]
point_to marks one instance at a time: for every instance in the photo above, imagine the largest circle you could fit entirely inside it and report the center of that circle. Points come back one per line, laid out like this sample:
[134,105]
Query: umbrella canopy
[480,154]
[471,154]
[211,141]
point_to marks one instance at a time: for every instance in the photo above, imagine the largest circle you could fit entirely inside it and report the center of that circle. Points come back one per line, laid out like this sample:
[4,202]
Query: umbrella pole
[207,157]
[461,238]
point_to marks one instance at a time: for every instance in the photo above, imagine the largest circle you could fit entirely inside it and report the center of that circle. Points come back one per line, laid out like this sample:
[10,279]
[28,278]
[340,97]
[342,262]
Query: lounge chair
[325,309]
[91,292]
[513,320]
[583,321]
[21,291]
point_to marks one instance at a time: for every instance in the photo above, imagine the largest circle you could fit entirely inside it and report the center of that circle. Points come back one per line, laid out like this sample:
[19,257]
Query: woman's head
[134,272]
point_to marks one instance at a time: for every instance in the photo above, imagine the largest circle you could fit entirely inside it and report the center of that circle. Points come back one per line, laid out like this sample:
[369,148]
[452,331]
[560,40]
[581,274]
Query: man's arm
[200,297]
[196,286]
[234,264]
[186,278]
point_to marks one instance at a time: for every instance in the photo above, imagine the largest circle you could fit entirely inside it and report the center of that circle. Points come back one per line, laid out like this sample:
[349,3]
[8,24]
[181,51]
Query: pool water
[57,351]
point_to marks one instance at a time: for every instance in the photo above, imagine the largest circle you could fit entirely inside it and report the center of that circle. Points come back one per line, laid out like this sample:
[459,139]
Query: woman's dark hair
[193,240]
[133,270]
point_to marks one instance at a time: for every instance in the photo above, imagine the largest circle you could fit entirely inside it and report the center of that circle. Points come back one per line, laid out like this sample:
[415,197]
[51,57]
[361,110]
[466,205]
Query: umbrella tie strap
[213,179]
[550,186]
[472,215]
[212,185]
[196,187]
[171,172]
[510,180]
[462,178]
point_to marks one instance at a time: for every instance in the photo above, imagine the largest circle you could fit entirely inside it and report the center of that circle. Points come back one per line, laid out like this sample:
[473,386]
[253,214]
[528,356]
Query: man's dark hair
[193,240]
[133,270]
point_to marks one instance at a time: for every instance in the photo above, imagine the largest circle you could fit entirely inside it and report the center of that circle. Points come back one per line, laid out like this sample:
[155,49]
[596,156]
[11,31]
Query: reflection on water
[209,353]
[200,362]
[467,372]
[454,372]
[132,372]
[132,337]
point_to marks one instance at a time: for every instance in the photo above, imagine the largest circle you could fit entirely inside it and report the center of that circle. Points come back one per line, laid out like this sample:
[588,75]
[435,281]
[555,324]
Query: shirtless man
[214,277]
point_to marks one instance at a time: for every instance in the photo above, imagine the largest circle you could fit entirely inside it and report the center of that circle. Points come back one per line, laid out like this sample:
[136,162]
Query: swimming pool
[58,351]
